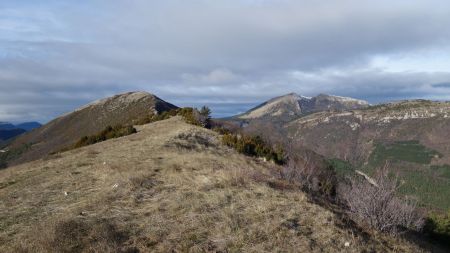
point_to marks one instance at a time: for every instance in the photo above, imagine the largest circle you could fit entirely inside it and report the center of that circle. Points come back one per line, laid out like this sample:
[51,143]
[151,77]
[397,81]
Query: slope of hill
[87,120]
[292,105]
[172,187]
[413,136]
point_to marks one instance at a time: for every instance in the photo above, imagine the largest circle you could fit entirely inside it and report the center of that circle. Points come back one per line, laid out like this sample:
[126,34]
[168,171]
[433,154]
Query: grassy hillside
[88,120]
[171,187]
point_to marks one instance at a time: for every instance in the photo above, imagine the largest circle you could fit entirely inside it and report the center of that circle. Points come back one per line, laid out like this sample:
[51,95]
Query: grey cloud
[227,54]
[441,85]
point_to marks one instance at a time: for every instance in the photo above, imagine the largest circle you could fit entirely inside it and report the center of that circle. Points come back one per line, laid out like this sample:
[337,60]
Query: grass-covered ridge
[190,115]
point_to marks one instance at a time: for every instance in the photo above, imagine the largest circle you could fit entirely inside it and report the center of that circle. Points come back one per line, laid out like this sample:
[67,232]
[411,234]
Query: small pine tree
[205,112]
[204,117]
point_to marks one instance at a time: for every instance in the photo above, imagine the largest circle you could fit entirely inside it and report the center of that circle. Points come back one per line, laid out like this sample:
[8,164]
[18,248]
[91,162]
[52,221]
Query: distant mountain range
[293,105]
[6,126]
[28,126]
[9,131]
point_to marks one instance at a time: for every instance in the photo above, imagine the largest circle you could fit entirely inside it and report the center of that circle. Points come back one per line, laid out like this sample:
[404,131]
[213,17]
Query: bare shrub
[304,168]
[378,206]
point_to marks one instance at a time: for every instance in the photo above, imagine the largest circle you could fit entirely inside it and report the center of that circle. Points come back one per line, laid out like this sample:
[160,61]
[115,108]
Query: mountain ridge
[65,130]
[293,105]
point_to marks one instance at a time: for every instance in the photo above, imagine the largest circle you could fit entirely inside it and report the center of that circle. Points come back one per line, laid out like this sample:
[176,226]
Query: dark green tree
[205,112]
[204,117]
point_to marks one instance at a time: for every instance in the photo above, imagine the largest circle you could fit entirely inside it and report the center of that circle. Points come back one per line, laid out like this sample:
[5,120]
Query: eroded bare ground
[170,187]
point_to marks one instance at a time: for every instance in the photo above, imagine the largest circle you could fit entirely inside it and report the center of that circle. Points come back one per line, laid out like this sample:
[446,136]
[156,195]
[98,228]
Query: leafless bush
[297,172]
[378,205]
[303,168]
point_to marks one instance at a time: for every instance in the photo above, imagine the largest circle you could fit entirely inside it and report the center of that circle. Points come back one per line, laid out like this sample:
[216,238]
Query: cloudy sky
[56,55]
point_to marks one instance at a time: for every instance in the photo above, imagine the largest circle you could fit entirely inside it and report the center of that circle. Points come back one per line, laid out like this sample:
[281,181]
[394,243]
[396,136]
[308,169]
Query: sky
[57,55]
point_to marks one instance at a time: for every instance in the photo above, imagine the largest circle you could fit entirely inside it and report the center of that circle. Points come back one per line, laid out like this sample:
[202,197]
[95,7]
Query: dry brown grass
[171,187]
[76,235]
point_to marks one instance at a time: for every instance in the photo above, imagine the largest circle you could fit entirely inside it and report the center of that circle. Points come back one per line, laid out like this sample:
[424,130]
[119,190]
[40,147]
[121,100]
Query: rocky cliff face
[382,114]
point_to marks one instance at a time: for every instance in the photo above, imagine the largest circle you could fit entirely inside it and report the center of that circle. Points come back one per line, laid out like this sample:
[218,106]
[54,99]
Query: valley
[412,137]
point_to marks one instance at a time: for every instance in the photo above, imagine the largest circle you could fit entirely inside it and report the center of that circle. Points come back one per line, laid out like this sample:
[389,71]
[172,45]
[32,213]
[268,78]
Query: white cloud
[435,60]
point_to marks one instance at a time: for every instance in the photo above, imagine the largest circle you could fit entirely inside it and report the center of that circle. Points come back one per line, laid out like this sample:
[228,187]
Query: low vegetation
[412,161]
[310,178]
[438,227]
[341,167]
[106,134]
[191,115]
[430,187]
[254,146]
[408,151]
